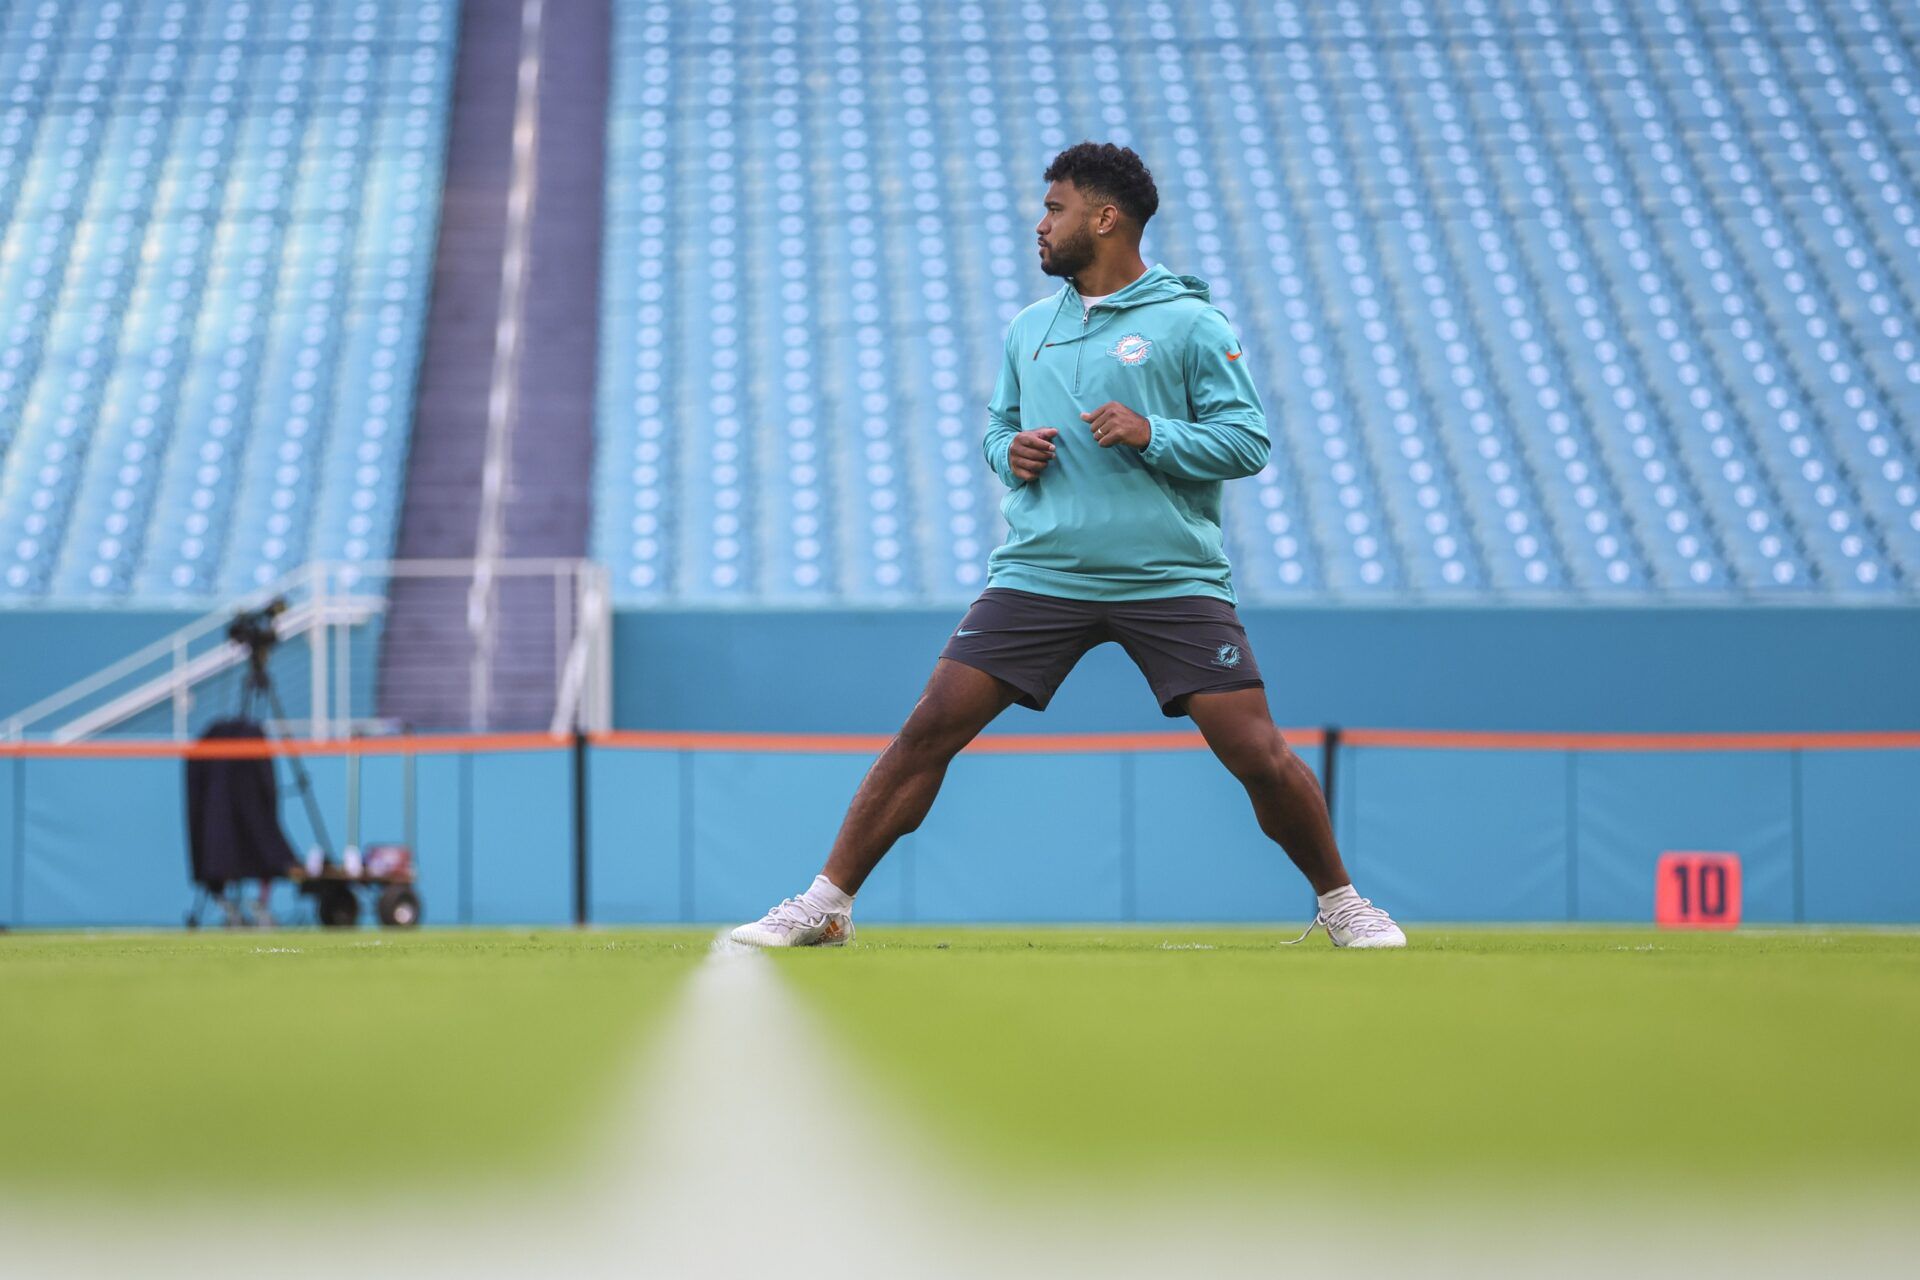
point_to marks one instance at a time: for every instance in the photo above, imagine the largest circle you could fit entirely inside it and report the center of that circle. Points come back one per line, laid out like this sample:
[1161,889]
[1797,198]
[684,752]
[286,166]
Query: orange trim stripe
[872,743]
[257,749]
[1082,743]
[705,740]
[1443,740]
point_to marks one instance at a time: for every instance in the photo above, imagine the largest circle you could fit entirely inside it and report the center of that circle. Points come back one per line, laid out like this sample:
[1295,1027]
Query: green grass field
[1582,1058]
[307,1060]
[1137,1054]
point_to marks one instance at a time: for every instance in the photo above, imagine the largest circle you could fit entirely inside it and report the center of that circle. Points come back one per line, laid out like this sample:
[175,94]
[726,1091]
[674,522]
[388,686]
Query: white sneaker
[797,923]
[1359,924]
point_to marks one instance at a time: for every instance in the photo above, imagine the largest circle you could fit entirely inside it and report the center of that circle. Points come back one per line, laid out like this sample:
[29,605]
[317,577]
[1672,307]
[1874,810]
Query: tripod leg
[302,778]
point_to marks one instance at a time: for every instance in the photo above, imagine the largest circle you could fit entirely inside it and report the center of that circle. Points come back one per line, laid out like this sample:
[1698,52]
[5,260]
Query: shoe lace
[794,914]
[1311,926]
[1358,916]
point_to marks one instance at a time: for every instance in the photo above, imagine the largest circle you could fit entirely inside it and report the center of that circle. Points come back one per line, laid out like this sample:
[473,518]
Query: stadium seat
[1549,300]
[215,241]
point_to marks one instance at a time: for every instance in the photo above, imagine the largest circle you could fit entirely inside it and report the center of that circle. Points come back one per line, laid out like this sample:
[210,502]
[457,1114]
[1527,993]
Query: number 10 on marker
[1697,891]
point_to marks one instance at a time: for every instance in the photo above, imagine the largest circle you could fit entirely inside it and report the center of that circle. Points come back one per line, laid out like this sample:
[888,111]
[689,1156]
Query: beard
[1069,257]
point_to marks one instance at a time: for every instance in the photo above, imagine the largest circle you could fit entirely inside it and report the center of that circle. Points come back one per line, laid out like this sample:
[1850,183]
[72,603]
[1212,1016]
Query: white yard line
[748,1149]
[761,1155]
[764,1156]
[756,1158]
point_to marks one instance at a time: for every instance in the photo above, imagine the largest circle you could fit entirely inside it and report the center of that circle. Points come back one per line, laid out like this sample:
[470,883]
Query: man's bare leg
[1286,796]
[958,702]
[892,800]
[1292,811]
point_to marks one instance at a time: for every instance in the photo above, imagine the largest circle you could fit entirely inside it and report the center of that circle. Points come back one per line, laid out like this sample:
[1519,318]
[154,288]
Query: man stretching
[1122,404]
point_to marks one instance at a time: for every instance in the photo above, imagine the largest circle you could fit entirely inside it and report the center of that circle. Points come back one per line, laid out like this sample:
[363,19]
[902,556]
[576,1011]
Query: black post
[302,779]
[411,801]
[1329,753]
[579,827]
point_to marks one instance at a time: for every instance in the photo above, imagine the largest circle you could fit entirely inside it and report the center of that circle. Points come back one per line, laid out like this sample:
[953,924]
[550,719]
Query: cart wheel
[338,908]
[399,906]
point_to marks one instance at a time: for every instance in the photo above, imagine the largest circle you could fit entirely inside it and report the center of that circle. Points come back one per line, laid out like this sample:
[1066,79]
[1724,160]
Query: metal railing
[332,655]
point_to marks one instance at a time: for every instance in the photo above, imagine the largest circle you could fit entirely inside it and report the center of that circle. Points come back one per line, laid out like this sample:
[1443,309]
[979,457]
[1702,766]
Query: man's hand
[1113,423]
[1030,452]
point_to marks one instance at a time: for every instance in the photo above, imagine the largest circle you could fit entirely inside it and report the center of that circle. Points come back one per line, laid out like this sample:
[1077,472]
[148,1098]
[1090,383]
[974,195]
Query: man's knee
[1258,756]
[933,734]
[956,704]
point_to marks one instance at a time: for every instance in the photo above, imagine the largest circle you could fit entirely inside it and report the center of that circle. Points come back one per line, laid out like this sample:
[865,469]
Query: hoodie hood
[1157,285]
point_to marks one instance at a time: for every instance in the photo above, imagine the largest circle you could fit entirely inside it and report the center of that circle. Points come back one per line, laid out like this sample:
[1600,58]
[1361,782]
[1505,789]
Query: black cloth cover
[233,814]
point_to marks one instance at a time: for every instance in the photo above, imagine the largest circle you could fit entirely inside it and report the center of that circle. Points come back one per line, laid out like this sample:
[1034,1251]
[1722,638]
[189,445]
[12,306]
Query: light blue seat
[183,190]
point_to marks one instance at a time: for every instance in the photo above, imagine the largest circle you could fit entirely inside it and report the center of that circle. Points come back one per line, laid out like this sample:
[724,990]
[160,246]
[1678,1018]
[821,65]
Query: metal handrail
[582,697]
[172,643]
[295,621]
[324,596]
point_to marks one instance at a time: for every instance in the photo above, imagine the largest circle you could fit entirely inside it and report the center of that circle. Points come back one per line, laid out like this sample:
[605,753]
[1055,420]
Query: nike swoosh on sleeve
[1233,355]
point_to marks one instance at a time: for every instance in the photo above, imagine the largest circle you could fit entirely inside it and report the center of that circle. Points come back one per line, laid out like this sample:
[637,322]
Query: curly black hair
[1114,174]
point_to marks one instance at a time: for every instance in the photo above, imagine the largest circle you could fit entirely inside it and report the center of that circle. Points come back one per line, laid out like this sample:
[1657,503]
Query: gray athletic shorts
[1183,645]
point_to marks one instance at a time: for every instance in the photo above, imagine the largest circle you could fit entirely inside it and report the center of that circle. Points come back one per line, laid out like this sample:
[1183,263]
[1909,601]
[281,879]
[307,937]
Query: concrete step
[427,654]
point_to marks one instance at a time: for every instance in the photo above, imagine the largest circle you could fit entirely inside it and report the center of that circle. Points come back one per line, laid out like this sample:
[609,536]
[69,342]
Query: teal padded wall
[12,869]
[638,834]
[521,804]
[104,842]
[711,835]
[1462,835]
[1860,835]
[1632,807]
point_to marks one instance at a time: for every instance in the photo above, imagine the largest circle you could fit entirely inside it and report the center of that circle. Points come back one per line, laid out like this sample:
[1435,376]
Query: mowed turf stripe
[1596,1061]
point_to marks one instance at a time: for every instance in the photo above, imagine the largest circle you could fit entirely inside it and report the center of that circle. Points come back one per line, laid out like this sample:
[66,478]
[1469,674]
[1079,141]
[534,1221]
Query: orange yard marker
[1697,891]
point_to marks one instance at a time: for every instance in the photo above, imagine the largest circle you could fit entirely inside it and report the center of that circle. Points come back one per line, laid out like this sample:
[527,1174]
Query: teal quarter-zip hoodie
[1123,523]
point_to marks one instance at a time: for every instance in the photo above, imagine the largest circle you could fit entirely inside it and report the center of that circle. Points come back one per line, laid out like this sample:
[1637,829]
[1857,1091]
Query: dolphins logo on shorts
[1227,655]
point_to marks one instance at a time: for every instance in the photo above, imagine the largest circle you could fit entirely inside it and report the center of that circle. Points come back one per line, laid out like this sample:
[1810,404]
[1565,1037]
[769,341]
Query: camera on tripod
[255,630]
[233,807]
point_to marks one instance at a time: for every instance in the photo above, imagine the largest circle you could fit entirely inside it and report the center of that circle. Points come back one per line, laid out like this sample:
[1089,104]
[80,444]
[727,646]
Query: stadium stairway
[428,652]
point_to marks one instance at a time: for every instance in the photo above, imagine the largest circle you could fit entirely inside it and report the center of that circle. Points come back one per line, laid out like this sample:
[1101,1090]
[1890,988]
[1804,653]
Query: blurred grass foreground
[320,1062]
